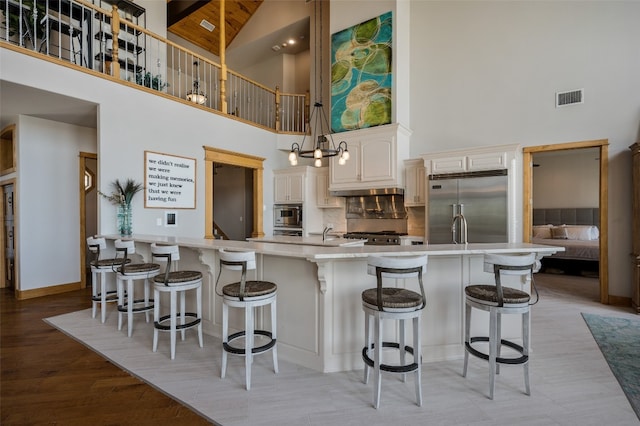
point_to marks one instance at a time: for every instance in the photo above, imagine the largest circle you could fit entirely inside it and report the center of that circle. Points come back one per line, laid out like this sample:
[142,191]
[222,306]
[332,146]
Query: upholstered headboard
[567,216]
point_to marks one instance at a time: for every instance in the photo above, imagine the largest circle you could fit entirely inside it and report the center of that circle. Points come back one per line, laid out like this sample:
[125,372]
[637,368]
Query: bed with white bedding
[574,229]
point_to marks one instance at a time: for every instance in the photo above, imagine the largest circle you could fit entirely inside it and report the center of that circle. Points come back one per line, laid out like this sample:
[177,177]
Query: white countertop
[316,252]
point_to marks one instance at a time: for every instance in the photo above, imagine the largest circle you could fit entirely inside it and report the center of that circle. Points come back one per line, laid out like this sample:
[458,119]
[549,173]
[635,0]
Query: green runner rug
[619,341]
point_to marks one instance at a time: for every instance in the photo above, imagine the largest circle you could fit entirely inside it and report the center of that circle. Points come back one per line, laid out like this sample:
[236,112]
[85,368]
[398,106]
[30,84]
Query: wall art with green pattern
[361,75]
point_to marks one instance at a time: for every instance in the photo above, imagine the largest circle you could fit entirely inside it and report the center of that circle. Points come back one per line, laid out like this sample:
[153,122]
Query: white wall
[48,201]
[566,179]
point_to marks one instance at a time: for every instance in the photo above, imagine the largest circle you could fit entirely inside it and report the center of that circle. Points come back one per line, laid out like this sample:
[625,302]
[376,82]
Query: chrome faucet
[325,232]
[462,219]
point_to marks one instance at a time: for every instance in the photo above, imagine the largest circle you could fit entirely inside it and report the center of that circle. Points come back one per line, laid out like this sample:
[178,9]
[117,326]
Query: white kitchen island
[320,319]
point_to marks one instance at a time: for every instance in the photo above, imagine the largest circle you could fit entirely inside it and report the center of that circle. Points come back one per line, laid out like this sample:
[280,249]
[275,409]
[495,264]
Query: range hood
[376,207]
[367,192]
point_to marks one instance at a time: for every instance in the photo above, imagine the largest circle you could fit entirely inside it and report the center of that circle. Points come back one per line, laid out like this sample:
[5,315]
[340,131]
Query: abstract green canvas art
[361,75]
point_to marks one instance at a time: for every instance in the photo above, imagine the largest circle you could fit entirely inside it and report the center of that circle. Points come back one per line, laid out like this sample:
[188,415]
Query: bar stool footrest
[502,360]
[256,350]
[112,296]
[162,327]
[137,309]
[390,368]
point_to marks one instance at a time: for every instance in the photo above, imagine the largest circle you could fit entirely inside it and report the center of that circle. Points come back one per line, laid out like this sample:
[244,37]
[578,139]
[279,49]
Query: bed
[575,229]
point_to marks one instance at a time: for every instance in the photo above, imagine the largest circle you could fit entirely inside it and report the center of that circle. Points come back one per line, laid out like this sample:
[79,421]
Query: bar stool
[132,273]
[100,294]
[393,303]
[498,300]
[175,282]
[246,295]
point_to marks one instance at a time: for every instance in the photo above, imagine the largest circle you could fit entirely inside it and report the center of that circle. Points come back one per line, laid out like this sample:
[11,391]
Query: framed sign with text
[169,181]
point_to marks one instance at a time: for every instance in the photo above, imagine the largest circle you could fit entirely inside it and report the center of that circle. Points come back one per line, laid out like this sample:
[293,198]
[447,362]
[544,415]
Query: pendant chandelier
[196,95]
[320,142]
[324,145]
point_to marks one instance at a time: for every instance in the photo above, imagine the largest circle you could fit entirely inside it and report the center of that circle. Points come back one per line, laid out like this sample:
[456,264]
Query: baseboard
[46,291]
[619,300]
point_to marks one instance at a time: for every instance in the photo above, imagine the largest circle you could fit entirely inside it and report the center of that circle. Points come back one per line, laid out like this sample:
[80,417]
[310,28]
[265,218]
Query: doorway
[254,166]
[88,193]
[602,151]
[232,202]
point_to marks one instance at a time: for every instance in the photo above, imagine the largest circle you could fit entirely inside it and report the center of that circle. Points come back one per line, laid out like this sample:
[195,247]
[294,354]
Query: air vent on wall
[207,25]
[571,97]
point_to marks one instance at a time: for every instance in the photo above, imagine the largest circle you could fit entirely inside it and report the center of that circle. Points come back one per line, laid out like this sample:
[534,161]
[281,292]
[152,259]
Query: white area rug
[295,396]
[569,386]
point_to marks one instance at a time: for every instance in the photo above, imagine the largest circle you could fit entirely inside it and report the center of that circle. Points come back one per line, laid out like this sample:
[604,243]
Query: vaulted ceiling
[185,19]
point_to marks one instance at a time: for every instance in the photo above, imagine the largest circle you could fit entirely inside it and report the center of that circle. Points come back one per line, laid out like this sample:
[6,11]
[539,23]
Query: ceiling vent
[275,48]
[207,25]
[571,97]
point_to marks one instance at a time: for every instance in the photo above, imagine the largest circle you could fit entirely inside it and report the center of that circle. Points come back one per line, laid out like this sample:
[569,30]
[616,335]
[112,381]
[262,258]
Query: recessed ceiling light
[292,41]
[284,44]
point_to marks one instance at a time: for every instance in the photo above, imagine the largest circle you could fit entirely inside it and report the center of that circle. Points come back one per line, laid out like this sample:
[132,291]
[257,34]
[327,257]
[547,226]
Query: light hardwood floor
[571,382]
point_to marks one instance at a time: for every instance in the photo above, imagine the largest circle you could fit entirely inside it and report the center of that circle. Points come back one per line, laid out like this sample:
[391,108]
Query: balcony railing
[108,41]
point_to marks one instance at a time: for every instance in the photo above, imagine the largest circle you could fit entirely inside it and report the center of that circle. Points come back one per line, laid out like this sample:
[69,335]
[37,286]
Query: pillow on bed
[581,232]
[542,231]
[559,233]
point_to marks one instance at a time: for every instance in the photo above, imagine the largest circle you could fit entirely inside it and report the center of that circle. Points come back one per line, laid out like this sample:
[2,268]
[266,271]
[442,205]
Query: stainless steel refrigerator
[477,198]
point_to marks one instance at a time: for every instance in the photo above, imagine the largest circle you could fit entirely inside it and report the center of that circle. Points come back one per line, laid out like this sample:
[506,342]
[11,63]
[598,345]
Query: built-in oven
[287,216]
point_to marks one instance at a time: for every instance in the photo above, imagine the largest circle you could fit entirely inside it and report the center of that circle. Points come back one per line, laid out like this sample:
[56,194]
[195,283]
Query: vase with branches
[121,195]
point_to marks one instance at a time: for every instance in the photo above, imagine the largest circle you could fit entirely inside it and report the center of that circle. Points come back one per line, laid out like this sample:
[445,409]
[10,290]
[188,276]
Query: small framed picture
[170,218]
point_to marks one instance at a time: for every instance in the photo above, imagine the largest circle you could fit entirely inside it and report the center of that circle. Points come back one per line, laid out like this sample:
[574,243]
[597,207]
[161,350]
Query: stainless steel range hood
[376,207]
[366,192]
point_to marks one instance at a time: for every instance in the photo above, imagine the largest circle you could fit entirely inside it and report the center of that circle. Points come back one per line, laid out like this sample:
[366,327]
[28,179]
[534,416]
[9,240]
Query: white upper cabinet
[414,179]
[323,198]
[377,156]
[468,161]
[289,186]
[371,161]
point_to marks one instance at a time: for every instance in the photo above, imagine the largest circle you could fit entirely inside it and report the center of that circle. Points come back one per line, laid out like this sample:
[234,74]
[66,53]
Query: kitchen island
[320,319]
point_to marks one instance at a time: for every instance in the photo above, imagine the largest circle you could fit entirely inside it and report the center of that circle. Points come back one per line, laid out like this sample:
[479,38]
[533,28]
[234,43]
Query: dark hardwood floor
[47,377]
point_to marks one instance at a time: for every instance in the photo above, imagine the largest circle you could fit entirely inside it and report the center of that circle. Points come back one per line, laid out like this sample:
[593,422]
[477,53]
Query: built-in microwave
[287,215]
